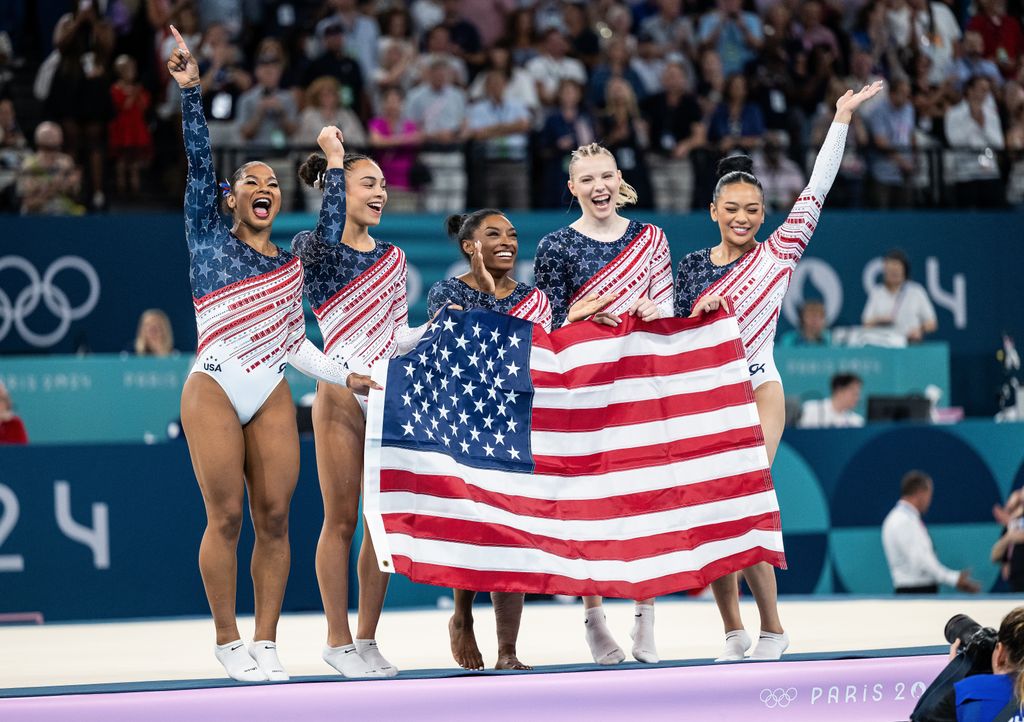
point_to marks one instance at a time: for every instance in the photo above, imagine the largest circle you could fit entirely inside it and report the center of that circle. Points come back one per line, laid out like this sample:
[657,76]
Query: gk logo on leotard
[756,369]
[778,697]
[15,313]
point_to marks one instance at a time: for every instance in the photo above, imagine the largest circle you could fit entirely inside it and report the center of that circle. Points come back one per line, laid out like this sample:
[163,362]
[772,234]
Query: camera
[976,642]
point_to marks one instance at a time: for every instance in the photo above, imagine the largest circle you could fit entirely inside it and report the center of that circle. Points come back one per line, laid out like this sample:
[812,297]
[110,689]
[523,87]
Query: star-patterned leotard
[526,302]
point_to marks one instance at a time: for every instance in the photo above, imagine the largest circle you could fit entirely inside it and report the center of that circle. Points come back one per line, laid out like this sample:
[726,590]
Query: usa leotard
[526,302]
[756,283]
[570,266]
[248,305]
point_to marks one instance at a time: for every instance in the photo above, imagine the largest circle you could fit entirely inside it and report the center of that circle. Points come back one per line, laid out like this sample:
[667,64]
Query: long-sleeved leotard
[358,297]
[248,305]
[756,283]
[526,302]
[570,266]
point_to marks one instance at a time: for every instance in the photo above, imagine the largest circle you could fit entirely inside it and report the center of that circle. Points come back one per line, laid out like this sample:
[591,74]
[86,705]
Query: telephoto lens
[961,627]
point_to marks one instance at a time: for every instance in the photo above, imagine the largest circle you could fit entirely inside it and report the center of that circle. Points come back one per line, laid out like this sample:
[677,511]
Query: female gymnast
[751,278]
[356,287]
[489,242]
[236,408]
[604,265]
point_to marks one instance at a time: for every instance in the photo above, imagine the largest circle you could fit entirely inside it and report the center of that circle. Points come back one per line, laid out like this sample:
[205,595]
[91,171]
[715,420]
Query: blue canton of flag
[465,391]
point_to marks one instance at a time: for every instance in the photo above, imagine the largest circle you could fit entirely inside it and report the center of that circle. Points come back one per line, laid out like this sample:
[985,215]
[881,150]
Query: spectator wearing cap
[438,108]
[813,329]
[837,411]
[676,129]
[735,34]
[48,180]
[12,428]
[553,66]
[335,62]
[898,302]
[500,125]
[361,35]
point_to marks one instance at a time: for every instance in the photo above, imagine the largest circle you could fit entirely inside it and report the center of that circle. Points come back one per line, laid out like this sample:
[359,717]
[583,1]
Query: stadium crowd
[478,102]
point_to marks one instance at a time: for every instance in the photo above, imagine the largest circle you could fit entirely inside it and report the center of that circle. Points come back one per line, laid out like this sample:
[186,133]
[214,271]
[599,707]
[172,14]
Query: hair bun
[312,168]
[734,163]
[453,224]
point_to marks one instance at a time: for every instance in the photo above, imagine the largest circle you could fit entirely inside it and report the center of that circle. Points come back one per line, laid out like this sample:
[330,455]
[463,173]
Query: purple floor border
[860,690]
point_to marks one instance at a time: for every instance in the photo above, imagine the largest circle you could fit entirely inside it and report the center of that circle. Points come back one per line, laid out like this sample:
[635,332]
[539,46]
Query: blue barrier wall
[67,284]
[113,531]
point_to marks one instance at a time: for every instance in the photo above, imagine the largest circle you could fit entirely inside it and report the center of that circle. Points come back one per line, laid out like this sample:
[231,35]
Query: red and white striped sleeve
[543,316]
[789,241]
[405,337]
[661,289]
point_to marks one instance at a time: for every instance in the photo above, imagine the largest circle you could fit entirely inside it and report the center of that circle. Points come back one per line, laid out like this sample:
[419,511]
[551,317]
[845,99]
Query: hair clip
[225,188]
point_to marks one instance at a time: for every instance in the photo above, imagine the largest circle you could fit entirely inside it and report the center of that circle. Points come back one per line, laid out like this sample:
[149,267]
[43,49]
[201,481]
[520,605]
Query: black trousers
[925,589]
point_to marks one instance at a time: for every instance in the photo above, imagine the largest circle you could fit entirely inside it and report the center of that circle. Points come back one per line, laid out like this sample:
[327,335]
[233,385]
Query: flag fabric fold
[626,462]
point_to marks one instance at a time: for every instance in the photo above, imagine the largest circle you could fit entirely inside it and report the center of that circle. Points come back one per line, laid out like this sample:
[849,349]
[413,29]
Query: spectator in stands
[519,84]
[735,34]
[837,411]
[13,150]
[519,36]
[397,27]
[898,302]
[676,129]
[649,62]
[48,180]
[361,34]
[489,17]
[1005,551]
[223,81]
[812,31]
[439,109]
[154,336]
[931,100]
[465,39]
[553,66]
[863,71]
[499,125]
[583,41]
[131,145]
[711,86]
[12,428]
[781,178]
[912,20]
[892,129]
[267,114]
[813,329]
[849,187]
[972,62]
[1001,33]
[438,45]
[567,127]
[736,124]
[913,565]
[80,93]
[1013,101]
[426,14]
[623,131]
[615,64]
[394,141]
[395,69]
[975,136]
[669,29]
[324,106]
[335,62]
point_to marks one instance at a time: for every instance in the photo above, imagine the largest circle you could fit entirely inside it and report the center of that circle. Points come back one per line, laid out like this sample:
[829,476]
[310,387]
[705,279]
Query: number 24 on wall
[96,537]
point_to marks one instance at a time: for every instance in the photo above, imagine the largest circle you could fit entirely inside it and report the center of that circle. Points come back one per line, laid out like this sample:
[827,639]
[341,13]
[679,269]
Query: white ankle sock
[770,646]
[642,635]
[368,650]
[599,638]
[237,662]
[347,661]
[737,642]
[265,654]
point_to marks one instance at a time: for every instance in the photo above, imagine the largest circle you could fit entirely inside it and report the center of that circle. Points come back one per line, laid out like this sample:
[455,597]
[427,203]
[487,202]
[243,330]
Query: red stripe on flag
[640,412]
[502,581]
[584,331]
[422,526]
[641,502]
[645,366]
[655,455]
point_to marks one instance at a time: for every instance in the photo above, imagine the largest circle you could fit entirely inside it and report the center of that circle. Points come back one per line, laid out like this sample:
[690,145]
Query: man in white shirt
[899,302]
[837,411]
[500,126]
[553,66]
[908,547]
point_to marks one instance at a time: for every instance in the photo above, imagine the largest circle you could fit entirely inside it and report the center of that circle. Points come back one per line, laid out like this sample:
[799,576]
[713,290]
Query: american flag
[627,462]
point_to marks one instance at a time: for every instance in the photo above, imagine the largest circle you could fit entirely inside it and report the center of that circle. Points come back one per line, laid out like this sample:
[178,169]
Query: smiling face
[499,244]
[595,181]
[739,212]
[366,193]
[255,197]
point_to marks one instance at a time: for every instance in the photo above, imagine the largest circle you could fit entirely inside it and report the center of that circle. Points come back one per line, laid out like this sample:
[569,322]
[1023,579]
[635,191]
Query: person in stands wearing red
[12,430]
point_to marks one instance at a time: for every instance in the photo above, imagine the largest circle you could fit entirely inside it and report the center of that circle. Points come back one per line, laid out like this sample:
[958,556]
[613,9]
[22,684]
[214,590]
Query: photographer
[982,682]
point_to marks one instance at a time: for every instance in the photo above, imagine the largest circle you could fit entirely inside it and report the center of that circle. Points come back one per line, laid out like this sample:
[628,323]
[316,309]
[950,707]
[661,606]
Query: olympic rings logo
[778,697]
[42,288]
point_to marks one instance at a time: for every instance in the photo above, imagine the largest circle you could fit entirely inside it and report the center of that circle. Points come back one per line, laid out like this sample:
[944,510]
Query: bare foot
[510,661]
[463,641]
